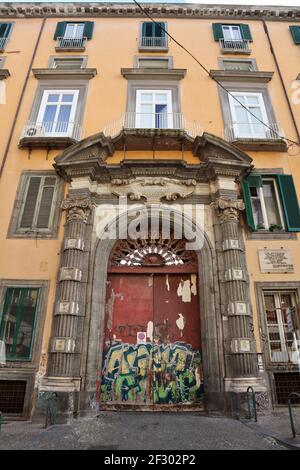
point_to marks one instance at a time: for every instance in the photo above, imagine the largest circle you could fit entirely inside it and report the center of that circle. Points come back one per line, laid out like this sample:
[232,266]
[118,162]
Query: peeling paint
[167,282]
[184,291]
[194,284]
[150,330]
[180,322]
[110,307]
[150,280]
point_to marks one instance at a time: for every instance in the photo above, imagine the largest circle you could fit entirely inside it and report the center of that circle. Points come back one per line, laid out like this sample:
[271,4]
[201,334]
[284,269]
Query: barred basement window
[17,323]
[12,396]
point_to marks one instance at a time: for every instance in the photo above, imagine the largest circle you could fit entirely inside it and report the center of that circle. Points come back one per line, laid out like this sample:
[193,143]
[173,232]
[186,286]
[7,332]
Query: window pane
[271,203]
[257,209]
[146,97]
[63,118]
[67,98]
[53,98]
[18,322]
[161,97]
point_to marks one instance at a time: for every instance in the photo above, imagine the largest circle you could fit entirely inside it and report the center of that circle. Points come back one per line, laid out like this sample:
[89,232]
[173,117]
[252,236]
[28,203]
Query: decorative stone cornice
[228,209]
[78,209]
[155,73]
[60,74]
[157,10]
[241,76]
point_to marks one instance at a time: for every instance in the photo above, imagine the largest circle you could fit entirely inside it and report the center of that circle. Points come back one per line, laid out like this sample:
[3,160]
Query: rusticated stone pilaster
[240,347]
[69,309]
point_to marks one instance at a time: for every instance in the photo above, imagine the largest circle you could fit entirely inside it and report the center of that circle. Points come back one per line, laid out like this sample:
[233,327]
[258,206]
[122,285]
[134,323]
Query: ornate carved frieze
[153,190]
[78,209]
[228,209]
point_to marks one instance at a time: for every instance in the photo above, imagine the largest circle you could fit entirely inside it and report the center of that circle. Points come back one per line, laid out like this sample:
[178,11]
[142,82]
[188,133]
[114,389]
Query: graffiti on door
[168,373]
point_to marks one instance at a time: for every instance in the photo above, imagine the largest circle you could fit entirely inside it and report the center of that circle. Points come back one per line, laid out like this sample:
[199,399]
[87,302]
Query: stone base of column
[236,396]
[67,390]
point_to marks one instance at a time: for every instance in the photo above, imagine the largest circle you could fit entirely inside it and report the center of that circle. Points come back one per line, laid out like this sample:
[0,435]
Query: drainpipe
[281,79]
[21,98]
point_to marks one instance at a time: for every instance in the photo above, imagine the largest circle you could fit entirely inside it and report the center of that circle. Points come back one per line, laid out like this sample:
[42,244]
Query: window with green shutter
[17,322]
[5,29]
[232,32]
[153,34]
[295,31]
[38,206]
[271,203]
[74,30]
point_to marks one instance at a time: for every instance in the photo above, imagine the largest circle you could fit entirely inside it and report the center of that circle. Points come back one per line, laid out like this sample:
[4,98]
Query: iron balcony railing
[253,131]
[3,42]
[151,41]
[131,120]
[52,130]
[71,43]
[235,45]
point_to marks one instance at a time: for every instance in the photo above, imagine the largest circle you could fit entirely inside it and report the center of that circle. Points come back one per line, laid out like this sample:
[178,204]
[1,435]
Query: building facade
[109,128]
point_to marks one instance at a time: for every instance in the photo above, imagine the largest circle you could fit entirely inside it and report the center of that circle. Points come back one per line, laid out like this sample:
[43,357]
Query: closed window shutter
[60,29]
[295,30]
[253,181]
[44,213]
[246,33]
[218,31]
[88,29]
[147,29]
[290,202]
[30,202]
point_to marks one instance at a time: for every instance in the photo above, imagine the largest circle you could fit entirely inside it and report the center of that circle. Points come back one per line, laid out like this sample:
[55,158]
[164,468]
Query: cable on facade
[293,142]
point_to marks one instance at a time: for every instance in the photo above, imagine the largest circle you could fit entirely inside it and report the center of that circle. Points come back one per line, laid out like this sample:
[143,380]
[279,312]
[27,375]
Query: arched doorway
[152,354]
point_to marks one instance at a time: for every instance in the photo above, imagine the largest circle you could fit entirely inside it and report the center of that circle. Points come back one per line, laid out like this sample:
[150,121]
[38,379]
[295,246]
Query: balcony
[50,135]
[256,137]
[3,43]
[149,131]
[70,44]
[148,43]
[234,46]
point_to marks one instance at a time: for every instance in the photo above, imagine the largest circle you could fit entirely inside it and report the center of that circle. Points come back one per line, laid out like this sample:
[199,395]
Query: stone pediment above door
[89,158]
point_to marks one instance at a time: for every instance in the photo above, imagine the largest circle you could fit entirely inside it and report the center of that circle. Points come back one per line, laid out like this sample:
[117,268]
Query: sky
[282,3]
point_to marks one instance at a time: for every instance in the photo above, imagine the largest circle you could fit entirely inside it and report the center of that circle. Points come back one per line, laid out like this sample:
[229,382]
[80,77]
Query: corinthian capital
[77,208]
[228,209]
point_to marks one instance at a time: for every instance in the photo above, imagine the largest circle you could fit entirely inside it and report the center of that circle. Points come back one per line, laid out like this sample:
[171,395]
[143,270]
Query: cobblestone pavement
[138,431]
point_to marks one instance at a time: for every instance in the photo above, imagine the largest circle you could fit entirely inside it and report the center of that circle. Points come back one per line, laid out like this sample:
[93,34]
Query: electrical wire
[293,142]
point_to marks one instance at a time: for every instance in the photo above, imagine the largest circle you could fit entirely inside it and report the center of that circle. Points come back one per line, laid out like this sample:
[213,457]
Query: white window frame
[44,102]
[233,104]
[34,228]
[139,104]
[284,355]
[263,205]
[230,29]
[75,28]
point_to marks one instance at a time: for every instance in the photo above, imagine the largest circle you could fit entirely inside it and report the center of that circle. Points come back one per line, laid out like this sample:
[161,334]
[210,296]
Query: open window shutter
[253,181]
[43,219]
[30,202]
[218,31]
[295,30]
[60,29]
[159,33]
[246,33]
[290,202]
[88,29]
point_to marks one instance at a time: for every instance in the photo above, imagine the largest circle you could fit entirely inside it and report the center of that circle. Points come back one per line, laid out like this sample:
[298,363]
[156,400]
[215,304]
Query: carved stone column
[240,347]
[69,310]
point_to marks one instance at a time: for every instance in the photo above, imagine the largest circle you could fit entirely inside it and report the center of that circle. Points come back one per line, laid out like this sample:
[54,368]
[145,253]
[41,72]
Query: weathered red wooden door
[152,346]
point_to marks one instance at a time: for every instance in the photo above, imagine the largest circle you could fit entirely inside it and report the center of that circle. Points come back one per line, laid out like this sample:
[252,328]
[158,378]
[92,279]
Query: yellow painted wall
[113,46]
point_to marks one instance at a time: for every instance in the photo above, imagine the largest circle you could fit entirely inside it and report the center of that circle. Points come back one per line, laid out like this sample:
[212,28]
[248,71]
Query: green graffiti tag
[146,373]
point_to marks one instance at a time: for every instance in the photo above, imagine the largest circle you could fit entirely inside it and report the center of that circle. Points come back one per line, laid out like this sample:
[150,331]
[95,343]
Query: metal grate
[12,395]
[286,383]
